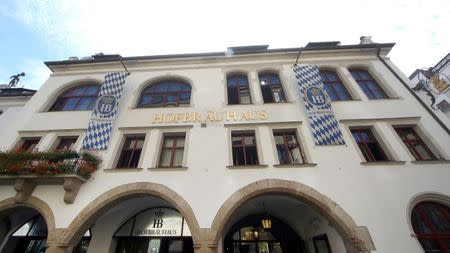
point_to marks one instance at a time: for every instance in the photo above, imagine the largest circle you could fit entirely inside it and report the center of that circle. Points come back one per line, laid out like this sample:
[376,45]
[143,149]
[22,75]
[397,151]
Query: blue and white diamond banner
[100,126]
[325,128]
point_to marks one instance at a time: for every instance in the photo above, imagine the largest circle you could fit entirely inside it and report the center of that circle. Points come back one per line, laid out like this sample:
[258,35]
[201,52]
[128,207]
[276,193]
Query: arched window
[431,224]
[238,90]
[368,84]
[271,88]
[334,86]
[166,93]
[32,235]
[81,97]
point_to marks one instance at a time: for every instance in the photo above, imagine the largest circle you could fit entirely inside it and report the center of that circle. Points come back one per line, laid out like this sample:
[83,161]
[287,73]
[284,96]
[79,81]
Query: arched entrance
[314,217]
[155,230]
[112,212]
[25,227]
[30,236]
[262,233]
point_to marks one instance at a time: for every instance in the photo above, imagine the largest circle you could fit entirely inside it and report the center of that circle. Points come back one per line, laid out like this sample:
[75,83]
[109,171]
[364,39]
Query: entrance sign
[155,222]
[325,128]
[100,125]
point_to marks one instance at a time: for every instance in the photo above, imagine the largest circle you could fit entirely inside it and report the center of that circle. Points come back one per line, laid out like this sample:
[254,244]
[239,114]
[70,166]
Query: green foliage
[48,163]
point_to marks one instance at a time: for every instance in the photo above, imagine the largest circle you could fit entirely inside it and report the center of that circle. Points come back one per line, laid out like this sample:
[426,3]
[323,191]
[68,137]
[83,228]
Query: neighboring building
[214,152]
[13,97]
[437,96]
[12,101]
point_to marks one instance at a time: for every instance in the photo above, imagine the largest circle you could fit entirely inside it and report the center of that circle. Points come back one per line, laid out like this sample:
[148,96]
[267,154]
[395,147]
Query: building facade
[214,153]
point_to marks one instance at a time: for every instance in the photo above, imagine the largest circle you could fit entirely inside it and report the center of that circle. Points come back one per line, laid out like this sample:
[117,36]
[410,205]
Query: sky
[34,31]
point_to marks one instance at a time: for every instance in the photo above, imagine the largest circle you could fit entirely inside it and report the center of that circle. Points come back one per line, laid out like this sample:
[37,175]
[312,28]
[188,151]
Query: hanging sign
[100,125]
[325,128]
[160,222]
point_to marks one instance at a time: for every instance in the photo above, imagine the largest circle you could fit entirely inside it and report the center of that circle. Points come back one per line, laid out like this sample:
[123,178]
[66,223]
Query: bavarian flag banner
[325,128]
[100,125]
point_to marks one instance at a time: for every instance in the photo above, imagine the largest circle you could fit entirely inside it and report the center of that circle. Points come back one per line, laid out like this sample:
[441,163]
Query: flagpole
[298,56]
[121,61]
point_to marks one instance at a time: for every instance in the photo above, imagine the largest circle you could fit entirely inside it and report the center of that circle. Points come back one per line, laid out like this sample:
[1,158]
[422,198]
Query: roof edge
[219,54]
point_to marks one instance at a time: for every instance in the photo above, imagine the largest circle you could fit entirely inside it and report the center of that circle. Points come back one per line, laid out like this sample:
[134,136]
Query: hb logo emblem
[106,104]
[315,96]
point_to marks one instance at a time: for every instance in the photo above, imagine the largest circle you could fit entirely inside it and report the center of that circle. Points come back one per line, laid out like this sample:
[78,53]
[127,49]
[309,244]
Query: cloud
[85,27]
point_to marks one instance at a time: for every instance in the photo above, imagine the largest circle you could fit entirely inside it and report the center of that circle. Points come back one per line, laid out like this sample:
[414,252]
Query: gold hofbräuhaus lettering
[210,116]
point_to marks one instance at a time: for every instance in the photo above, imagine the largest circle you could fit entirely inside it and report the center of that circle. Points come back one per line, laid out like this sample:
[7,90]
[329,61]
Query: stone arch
[36,204]
[356,239]
[108,199]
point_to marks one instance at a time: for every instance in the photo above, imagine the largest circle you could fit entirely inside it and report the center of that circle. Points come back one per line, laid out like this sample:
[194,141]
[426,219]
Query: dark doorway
[262,234]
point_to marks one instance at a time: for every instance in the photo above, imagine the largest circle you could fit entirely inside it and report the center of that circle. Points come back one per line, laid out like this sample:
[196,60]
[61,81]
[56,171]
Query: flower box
[25,170]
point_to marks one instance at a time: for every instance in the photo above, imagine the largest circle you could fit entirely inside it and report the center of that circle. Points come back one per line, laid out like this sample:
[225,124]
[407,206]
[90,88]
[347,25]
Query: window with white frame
[244,148]
[172,150]
[288,147]
[131,151]
[368,144]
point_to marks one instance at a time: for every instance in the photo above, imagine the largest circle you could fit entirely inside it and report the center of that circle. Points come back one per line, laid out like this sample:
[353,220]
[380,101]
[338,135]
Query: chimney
[365,40]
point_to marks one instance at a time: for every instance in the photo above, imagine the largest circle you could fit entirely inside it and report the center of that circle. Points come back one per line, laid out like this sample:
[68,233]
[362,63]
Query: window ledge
[298,165]
[430,161]
[259,166]
[122,169]
[383,163]
[241,104]
[343,101]
[167,168]
[384,99]
[159,107]
[277,103]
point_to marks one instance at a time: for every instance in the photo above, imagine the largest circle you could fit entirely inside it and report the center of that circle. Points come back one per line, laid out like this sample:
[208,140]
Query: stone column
[205,241]
[56,243]
[202,248]
[58,249]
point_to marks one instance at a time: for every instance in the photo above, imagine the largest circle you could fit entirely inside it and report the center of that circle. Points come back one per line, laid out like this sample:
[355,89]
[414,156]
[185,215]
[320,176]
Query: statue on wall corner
[15,79]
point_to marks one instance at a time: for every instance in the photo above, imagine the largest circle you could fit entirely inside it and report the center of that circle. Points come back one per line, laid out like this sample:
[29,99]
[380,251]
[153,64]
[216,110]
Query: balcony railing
[27,169]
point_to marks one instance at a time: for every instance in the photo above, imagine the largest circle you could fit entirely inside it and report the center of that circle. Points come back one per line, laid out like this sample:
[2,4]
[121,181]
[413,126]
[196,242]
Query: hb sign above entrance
[325,128]
[100,125]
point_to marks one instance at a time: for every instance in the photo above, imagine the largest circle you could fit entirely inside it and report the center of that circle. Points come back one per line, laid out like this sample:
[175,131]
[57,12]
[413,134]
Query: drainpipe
[412,92]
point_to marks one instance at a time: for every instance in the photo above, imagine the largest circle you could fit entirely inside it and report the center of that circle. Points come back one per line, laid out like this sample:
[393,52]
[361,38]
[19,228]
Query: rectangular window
[66,143]
[416,146]
[368,84]
[244,148]
[288,147]
[172,150]
[29,144]
[238,89]
[369,146]
[321,244]
[271,88]
[131,152]
[334,86]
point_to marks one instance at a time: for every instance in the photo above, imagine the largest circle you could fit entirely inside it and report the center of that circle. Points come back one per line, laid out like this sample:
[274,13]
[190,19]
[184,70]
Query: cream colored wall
[374,196]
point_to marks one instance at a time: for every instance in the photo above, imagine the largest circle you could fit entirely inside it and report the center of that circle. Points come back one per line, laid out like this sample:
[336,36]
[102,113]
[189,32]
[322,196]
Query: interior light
[266,223]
